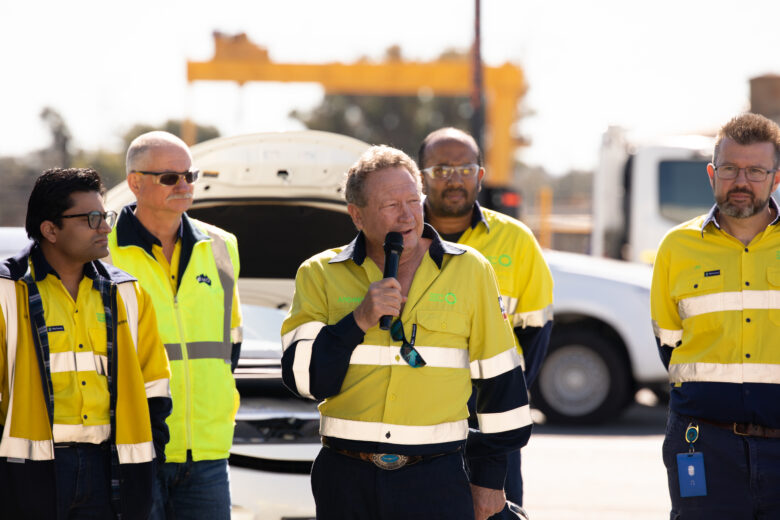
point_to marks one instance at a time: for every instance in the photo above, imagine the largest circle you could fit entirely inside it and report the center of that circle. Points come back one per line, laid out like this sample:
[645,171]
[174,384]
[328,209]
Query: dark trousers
[83,482]
[742,473]
[350,489]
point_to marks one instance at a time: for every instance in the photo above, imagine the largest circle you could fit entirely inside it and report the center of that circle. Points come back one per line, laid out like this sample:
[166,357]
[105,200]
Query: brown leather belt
[387,461]
[745,429]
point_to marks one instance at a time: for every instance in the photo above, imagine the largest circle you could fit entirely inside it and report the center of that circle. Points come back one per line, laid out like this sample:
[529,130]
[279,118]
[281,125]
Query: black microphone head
[394,241]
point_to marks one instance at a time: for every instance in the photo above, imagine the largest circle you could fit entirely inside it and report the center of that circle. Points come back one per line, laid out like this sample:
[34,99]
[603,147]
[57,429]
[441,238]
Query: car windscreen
[684,190]
[275,237]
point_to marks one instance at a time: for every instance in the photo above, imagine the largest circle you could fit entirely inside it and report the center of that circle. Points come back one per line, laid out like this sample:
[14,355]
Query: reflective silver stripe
[8,305]
[393,433]
[504,421]
[725,373]
[86,361]
[533,318]
[308,330]
[237,334]
[226,279]
[437,357]
[135,453]
[728,301]
[127,292]
[301,367]
[667,337]
[499,364]
[158,388]
[510,304]
[94,434]
[17,448]
[199,350]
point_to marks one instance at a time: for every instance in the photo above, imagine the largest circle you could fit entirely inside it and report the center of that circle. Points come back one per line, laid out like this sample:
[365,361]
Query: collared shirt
[715,305]
[77,354]
[373,400]
[524,279]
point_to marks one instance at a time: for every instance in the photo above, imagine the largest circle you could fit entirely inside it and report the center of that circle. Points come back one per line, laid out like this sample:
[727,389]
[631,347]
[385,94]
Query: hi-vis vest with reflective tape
[524,279]
[27,433]
[195,325]
[716,315]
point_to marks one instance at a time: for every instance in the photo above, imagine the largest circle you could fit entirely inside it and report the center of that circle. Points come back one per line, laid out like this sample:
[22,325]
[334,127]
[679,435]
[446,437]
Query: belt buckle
[737,432]
[389,461]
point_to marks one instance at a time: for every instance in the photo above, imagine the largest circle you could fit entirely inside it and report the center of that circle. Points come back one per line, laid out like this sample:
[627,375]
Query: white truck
[641,189]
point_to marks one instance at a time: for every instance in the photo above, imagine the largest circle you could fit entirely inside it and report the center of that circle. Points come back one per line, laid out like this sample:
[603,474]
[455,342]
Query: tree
[61,137]
[399,121]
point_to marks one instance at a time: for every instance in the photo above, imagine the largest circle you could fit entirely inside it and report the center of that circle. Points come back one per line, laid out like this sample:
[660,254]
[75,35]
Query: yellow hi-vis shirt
[373,400]
[524,279]
[716,315]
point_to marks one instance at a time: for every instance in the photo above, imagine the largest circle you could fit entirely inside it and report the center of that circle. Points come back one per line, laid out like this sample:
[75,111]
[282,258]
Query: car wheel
[583,380]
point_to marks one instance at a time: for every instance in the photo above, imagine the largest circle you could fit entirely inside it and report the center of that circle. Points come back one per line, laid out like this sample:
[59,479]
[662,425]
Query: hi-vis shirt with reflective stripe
[198,324]
[524,279]
[143,371]
[716,315]
[373,400]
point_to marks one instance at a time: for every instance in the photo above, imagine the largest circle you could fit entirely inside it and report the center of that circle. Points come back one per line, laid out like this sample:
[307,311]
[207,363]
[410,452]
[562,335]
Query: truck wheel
[583,380]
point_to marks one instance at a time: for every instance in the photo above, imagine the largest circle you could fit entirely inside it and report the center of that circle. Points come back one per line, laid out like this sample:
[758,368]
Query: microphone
[394,245]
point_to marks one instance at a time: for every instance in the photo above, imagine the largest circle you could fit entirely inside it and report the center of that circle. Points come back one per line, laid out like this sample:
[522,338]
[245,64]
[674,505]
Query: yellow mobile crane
[237,59]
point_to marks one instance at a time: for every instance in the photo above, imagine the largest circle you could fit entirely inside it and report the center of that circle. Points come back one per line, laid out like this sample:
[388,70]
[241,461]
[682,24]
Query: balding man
[451,166]
[190,268]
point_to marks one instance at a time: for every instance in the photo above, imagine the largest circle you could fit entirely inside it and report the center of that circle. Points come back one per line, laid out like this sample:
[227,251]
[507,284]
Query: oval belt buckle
[388,461]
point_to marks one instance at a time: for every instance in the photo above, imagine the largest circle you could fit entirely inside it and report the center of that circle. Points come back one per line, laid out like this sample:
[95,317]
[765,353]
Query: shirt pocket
[700,298]
[442,329]
[773,279]
[97,337]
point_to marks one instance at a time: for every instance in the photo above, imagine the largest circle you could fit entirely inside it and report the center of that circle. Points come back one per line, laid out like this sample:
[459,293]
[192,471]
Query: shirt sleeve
[532,318]
[315,355]
[667,325]
[502,408]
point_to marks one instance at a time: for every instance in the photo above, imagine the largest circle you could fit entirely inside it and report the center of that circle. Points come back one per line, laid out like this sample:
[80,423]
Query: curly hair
[374,159]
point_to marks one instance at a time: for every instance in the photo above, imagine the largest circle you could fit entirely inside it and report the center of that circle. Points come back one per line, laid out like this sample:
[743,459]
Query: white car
[280,193]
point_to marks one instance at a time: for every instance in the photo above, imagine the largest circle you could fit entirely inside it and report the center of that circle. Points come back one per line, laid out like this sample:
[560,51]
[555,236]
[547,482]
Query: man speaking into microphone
[394,402]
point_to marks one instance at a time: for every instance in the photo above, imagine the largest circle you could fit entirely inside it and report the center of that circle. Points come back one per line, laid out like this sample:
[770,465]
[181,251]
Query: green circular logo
[505,260]
[450,298]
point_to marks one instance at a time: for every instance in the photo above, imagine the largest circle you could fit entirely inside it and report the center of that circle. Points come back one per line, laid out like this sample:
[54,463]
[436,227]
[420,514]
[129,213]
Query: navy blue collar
[476,216]
[712,216]
[131,232]
[356,250]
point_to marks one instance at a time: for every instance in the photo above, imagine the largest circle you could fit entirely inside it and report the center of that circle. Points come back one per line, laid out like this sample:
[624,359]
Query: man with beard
[715,305]
[452,174]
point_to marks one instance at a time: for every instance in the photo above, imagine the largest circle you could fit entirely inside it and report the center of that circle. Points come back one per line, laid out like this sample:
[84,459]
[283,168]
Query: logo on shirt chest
[202,278]
[445,298]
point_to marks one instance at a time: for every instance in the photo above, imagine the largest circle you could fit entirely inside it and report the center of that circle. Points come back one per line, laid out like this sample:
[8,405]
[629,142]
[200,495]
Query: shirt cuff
[488,472]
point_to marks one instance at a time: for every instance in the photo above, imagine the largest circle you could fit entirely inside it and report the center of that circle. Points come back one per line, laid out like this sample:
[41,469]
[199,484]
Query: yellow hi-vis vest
[195,326]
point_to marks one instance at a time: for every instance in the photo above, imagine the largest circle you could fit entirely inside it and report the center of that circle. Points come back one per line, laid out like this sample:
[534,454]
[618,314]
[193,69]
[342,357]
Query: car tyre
[583,380]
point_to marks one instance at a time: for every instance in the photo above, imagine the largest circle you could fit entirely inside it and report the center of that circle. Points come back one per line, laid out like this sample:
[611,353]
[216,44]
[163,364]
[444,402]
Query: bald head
[444,135]
[147,149]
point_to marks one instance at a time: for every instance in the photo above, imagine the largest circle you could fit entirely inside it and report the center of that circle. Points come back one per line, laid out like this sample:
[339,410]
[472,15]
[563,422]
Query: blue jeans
[742,473]
[192,490]
[83,475]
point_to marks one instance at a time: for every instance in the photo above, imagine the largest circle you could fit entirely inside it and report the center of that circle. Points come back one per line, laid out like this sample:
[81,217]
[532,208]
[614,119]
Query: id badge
[690,472]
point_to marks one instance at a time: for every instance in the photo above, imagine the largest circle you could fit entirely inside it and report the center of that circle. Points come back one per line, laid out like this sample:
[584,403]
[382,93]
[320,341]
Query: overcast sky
[656,67]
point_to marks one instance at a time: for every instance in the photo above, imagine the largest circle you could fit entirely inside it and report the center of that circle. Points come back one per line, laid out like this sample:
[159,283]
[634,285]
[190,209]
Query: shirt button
[398,358]
[747,283]
[747,250]
[695,286]
[747,355]
[81,346]
[83,383]
[748,320]
[85,416]
[76,311]
[392,397]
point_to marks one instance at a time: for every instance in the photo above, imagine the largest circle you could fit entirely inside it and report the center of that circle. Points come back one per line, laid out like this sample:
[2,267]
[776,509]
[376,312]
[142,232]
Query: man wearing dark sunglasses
[191,270]
[85,380]
[394,402]
[452,174]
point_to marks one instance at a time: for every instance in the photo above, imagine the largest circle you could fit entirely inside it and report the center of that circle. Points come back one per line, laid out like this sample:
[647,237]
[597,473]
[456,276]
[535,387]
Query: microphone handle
[391,271]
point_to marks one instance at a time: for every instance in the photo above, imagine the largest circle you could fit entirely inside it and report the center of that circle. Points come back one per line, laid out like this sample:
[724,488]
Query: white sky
[661,66]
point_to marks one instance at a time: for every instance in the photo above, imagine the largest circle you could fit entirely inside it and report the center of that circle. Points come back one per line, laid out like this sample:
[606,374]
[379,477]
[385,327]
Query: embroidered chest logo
[202,278]
[712,273]
[446,298]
